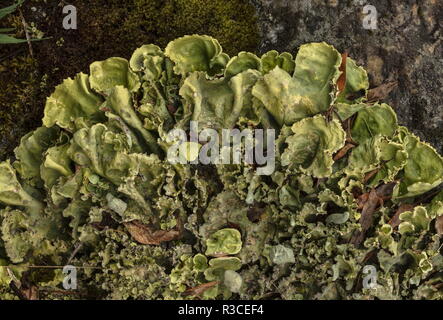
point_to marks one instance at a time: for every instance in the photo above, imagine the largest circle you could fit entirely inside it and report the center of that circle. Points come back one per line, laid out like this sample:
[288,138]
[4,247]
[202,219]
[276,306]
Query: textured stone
[406,47]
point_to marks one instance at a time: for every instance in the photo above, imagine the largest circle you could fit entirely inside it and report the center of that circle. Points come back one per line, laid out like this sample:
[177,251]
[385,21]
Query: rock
[406,47]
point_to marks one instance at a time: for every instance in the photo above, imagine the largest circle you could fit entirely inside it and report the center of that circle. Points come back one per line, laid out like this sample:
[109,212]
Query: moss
[105,28]
[20,90]
[232,22]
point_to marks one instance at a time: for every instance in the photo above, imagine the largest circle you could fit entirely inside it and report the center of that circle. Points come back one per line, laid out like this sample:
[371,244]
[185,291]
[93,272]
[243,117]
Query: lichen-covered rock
[405,47]
[94,186]
[105,29]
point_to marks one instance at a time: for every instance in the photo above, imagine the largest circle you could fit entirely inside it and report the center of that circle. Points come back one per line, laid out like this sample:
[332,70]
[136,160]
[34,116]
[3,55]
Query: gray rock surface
[406,46]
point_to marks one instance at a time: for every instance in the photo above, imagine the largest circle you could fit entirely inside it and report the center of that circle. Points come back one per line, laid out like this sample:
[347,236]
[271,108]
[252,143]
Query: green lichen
[225,241]
[26,82]
[96,180]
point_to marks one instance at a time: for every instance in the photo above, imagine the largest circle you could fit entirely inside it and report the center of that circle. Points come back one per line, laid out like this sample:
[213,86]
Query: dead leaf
[381,92]
[439,225]
[347,125]
[370,174]
[31,293]
[361,200]
[368,203]
[395,220]
[25,292]
[385,190]
[369,207]
[343,151]
[200,289]
[105,109]
[341,82]
[145,234]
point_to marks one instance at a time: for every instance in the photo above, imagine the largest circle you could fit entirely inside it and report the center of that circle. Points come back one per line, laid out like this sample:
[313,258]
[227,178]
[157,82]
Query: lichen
[105,28]
[94,186]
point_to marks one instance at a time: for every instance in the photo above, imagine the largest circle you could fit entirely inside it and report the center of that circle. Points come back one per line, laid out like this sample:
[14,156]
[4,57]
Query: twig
[28,37]
[76,250]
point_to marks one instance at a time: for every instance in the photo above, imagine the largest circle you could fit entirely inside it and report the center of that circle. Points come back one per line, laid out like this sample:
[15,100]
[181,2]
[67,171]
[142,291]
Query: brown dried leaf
[30,292]
[361,200]
[370,174]
[198,290]
[347,125]
[341,82]
[395,220]
[369,202]
[105,109]
[343,151]
[144,234]
[369,207]
[439,225]
[385,190]
[381,92]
